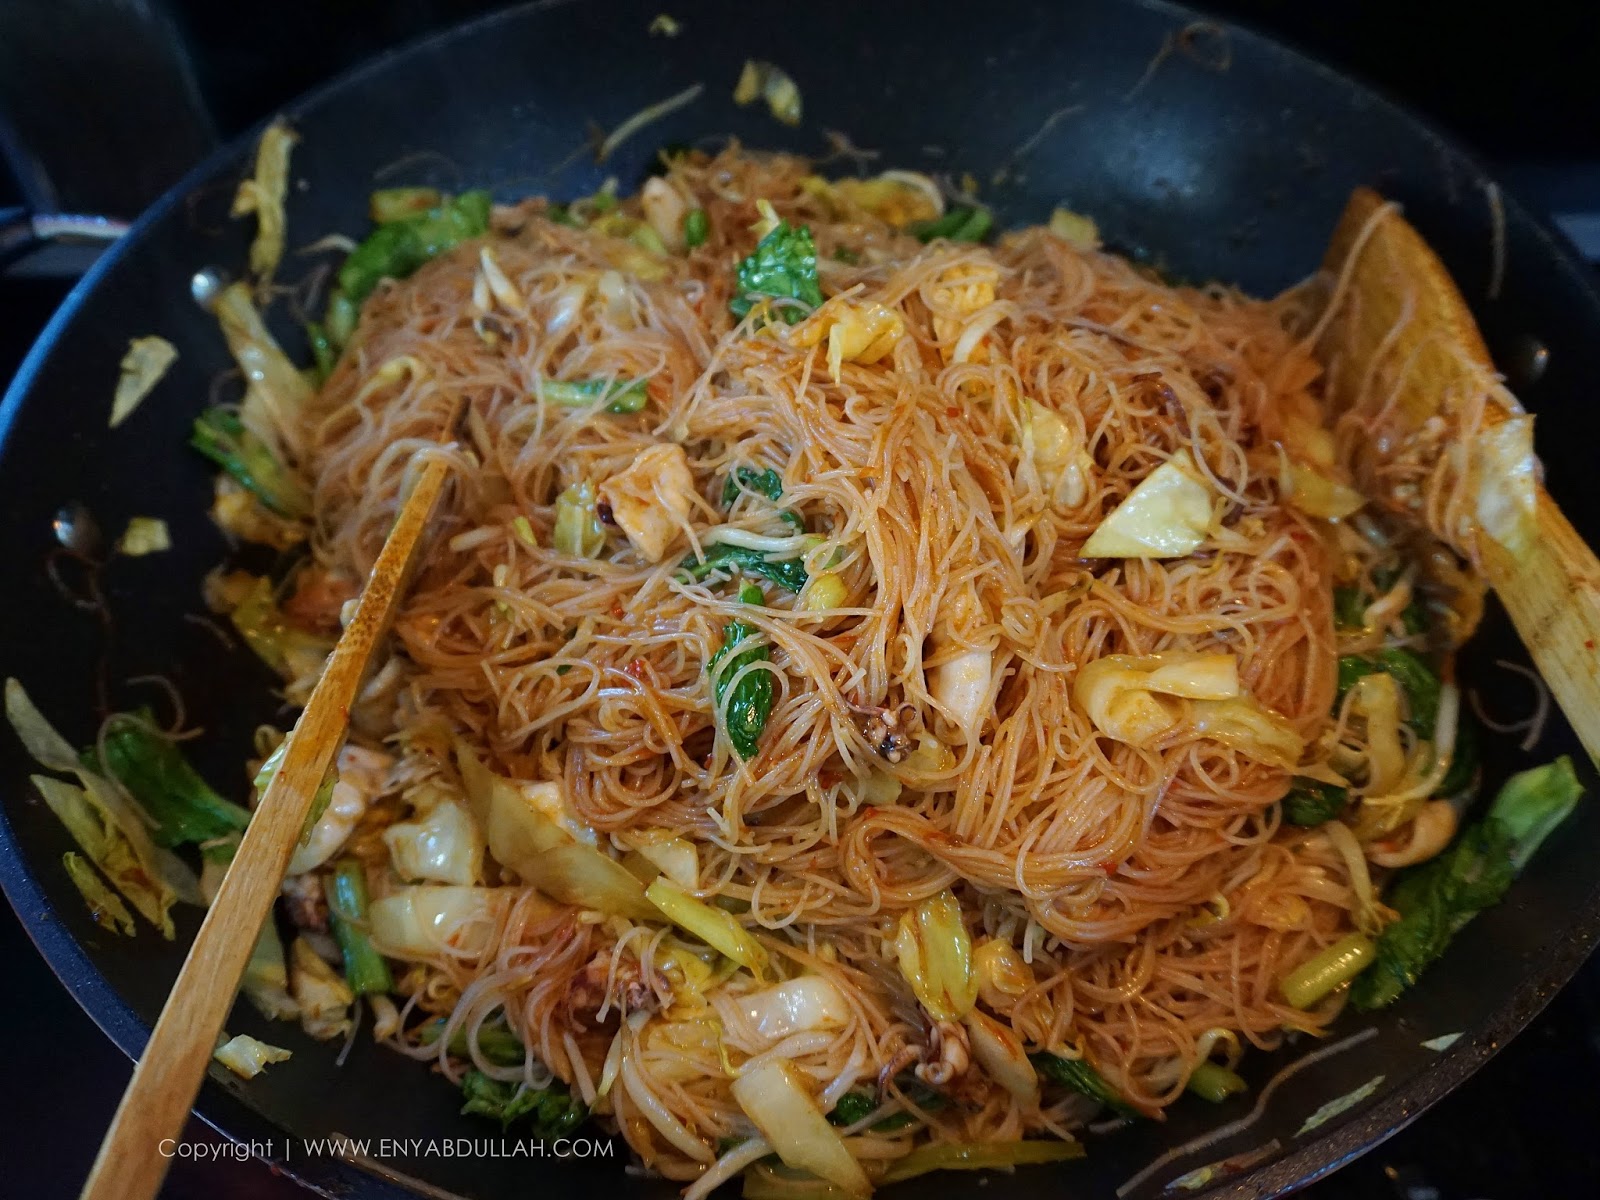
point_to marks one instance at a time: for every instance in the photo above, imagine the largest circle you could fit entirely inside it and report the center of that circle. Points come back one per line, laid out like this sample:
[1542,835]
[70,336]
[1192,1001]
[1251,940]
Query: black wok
[1221,156]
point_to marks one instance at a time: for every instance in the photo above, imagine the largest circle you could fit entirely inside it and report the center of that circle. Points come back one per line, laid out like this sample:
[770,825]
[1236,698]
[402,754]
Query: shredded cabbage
[147,360]
[935,954]
[246,1057]
[263,194]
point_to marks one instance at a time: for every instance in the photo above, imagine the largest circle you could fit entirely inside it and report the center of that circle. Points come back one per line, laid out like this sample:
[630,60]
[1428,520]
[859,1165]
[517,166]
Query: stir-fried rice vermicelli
[1129,890]
[870,692]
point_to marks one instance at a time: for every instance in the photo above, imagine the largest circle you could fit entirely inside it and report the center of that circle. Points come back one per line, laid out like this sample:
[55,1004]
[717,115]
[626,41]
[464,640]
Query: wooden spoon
[1436,372]
[168,1075]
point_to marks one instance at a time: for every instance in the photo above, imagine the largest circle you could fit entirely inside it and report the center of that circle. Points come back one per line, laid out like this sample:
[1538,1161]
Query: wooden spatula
[1545,575]
[174,1062]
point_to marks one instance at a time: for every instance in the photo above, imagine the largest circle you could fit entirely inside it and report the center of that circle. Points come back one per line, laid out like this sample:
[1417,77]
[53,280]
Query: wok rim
[1338,1143]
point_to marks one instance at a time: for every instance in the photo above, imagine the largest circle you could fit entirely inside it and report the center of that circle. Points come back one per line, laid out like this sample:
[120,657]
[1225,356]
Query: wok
[1200,147]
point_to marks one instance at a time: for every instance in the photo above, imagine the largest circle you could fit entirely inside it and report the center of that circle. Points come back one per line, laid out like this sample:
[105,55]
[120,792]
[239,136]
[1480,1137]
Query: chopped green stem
[1215,1082]
[222,437]
[696,228]
[1332,968]
[496,1043]
[364,968]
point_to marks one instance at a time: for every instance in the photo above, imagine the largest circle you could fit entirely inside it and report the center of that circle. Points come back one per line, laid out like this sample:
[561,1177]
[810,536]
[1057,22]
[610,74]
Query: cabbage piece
[110,833]
[1318,494]
[1165,516]
[246,1057]
[144,535]
[856,332]
[674,857]
[424,922]
[1123,693]
[323,997]
[935,953]
[800,1005]
[239,512]
[526,840]
[578,529]
[1057,454]
[1249,727]
[775,1098]
[263,194]
[444,846]
[276,389]
[999,1051]
[716,927]
[770,82]
[289,650]
[900,198]
[105,906]
[1078,231]
[147,360]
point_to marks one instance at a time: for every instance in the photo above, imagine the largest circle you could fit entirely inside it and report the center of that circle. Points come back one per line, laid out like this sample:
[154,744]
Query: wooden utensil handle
[1549,581]
[168,1075]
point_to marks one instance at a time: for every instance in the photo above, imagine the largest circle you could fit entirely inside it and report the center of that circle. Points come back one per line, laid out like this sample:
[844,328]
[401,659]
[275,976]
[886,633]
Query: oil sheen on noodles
[1127,891]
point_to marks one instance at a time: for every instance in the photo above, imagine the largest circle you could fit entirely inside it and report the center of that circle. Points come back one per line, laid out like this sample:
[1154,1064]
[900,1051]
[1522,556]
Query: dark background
[115,99]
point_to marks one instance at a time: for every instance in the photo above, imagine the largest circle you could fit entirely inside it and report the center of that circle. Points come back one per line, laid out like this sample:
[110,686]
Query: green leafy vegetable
[786,572]
[696,228]
[1311,803]
[395,250]
[1077,1074]
[958,225]
[364,968]
[553,1110]
[854,1106]
[152,768]
[766,483]
[1439,897]
[744,706]
[496,1043]
[784,265]
[625,395]
[1349,608]
[222,437]
[1419,683]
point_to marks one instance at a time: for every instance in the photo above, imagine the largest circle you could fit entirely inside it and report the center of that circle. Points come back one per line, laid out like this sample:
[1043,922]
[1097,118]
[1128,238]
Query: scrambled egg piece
[857,333]
[651,499]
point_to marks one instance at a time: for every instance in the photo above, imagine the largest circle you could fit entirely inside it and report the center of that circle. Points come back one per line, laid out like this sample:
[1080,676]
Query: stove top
[1522,1127]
